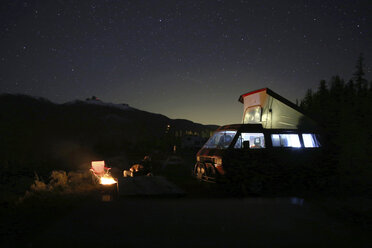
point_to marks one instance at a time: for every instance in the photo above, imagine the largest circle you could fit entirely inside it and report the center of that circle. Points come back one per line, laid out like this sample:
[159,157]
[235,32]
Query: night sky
[183,59]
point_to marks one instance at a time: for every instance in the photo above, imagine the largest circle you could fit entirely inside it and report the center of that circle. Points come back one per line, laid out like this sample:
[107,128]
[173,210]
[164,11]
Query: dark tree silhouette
[358,76]
[344,112]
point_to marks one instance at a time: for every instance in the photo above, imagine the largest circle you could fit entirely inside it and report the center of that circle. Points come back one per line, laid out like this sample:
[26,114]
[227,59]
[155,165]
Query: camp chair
[98,170]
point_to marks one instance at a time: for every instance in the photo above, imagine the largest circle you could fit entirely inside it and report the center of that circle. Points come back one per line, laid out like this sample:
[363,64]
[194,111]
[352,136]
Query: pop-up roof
[272,111]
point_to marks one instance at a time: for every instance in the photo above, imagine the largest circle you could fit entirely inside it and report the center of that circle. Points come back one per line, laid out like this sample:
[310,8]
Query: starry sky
[184,59]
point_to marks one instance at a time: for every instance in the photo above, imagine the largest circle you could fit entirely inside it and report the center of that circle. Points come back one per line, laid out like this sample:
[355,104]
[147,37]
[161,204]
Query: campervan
[244,144]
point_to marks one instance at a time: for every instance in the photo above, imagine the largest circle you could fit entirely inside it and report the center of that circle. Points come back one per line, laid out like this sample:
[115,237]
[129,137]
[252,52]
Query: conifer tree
[358,76]
[344,113]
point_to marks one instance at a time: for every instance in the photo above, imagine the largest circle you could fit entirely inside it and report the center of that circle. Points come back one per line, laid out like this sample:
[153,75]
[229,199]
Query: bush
[60,183]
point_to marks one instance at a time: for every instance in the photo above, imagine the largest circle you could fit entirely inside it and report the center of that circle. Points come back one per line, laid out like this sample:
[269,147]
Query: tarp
[268,108]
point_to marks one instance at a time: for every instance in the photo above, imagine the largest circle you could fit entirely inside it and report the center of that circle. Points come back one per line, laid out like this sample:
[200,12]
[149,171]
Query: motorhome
[244,143]
[273,131]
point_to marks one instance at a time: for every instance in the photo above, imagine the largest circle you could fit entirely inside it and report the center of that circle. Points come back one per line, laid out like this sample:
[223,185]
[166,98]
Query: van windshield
[220,140]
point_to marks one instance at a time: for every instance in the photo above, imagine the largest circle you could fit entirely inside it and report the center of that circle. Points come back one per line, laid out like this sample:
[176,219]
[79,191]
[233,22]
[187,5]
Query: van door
[248,145]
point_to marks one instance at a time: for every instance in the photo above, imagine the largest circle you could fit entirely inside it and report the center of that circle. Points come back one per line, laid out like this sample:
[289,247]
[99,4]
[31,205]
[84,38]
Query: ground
[184,222]
[203,216]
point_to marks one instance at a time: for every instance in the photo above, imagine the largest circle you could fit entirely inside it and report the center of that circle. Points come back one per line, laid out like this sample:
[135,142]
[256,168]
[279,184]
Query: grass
[43,204]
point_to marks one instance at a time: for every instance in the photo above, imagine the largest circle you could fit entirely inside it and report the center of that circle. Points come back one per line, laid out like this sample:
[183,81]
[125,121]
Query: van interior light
[286,140]
[294,141]
[310,140]
[275,136]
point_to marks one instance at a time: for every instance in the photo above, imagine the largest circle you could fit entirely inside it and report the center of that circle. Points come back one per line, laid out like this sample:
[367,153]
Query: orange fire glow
[107,180]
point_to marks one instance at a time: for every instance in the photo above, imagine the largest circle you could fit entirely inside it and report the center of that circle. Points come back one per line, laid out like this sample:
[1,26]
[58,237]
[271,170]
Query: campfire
[107,180]
[102,173]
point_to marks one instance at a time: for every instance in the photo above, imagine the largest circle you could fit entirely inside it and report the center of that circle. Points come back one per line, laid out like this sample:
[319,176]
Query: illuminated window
[285,140]
[253,115]
[310,140]
[256,140]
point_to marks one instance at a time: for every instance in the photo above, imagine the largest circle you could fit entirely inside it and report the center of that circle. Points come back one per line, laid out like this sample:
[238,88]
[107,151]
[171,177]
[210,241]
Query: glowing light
[253,115]
[107,180]
[285,140]
[310,140]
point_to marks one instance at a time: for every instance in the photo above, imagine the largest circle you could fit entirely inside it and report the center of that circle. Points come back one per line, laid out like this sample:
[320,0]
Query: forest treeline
[343,109]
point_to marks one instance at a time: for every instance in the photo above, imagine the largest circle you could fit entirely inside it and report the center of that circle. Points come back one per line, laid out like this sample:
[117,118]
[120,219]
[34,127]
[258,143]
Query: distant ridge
[38,128]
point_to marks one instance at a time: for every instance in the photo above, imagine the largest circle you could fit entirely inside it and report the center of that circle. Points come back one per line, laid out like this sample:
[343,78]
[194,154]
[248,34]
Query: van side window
[256,140]
[286,140]
[310,140]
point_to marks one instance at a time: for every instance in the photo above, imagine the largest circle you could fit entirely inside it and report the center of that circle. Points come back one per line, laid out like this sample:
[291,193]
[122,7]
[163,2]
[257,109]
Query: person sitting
[257,143]
[139,169]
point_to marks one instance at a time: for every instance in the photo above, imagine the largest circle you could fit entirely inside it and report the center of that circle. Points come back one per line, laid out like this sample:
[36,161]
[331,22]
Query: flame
[107,180]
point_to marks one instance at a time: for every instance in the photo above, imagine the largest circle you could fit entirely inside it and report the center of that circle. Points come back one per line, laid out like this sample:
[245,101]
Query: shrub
[60,183]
